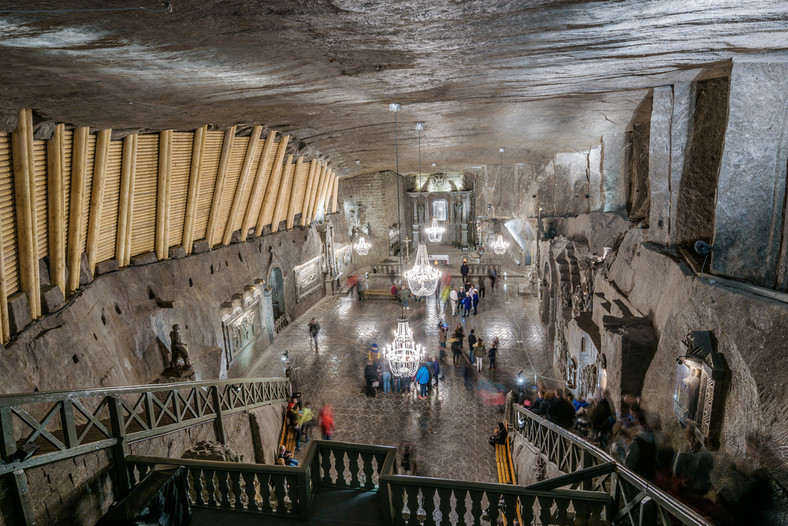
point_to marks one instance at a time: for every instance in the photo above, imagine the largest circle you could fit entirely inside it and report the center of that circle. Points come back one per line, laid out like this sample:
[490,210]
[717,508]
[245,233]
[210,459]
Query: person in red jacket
[325,420]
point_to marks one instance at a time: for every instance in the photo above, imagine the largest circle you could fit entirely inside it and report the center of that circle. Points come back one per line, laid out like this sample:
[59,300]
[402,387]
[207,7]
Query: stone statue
[178,348]
[420,216]
[458,212]
[566,298]
[577,302]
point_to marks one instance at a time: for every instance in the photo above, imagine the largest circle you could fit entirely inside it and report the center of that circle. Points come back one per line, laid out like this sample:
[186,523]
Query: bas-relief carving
[307,277]
[242,327]
[343,259]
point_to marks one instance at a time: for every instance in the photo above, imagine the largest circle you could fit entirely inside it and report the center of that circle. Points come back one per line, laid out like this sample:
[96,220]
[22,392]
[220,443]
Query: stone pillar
[613,183]
[750,216]
[659,166]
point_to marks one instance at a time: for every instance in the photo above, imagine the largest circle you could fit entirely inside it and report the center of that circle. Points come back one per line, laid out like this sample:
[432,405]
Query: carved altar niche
[698,395]
[243,325]
[307,278]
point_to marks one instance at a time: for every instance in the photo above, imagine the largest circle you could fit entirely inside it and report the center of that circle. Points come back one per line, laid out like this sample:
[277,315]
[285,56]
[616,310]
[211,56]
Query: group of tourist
[477,348]
[301,419]
[380,380]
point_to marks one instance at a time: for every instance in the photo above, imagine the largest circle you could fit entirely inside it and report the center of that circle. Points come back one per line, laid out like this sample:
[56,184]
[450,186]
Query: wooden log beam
[25,206]
[5,330]
[198,153]
[97,195]
[321,179]
[163,195]
[56,201]
[221,175]
[79,155]
[310,185]
[243,179]
[323,192]
[280,195]
[298,182]
[269,199]
[259,186]
[128,168]
[334,195]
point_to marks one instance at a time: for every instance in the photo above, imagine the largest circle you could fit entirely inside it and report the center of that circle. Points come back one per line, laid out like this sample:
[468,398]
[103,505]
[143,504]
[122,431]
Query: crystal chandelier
[499,246]
[422,278]
[404,355]
[362,247]
[434,231]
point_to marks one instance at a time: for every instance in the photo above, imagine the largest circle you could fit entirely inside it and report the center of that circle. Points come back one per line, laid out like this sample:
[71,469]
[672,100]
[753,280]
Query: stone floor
[449,429]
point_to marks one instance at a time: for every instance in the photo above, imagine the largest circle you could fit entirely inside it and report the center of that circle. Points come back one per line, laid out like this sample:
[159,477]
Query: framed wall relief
[243,326]
[343,259]
[307,278]
[698,391]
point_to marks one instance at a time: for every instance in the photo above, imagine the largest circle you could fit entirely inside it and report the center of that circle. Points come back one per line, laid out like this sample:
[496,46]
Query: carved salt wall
[307,278]
[243,325]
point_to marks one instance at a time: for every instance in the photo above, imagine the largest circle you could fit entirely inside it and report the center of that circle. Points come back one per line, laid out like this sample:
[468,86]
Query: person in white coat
[453,298]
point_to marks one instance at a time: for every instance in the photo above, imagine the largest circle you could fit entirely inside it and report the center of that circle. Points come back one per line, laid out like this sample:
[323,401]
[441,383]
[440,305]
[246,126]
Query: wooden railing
[634,498]
[39,428]
[285,491]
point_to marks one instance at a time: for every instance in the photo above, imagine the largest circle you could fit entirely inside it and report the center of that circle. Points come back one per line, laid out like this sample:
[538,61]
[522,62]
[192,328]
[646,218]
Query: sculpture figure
[178,348]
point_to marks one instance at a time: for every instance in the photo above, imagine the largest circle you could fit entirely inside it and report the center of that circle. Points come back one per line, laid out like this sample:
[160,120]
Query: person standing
[492,352]
[404,296]
[481,286]
[453,299]
[493,277]
[371,376]
[467,305]
[314,330]
[423,379]
[475,300]
[386,375]
[325,420]
[472,339]
[443,335]
[480,354]
[464,270]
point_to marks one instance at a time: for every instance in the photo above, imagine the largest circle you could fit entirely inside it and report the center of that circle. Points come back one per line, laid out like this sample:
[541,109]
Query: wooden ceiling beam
[280,196]
[269,200]
[259,187]
[56,202]
[221,176]
[246,169]
[298,181]
[306,204]
[334,195]
[128,169]
[163,195]
[195,173]
[25,205]
[97,195]
[79,154]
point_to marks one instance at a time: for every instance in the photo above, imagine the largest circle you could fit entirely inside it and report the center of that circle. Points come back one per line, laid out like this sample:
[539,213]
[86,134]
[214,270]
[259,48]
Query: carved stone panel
[307,278]
[242,327]
[343,260]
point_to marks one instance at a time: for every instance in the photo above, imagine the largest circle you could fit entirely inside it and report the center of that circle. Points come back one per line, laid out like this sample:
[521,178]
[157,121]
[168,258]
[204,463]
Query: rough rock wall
[511,193]
[751,333]
[108,335]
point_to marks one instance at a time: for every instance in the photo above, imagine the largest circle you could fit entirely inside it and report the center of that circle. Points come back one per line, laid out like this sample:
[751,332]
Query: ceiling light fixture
[422,278]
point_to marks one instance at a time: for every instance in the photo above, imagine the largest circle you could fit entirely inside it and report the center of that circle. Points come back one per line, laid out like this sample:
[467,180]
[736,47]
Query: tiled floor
[449,429]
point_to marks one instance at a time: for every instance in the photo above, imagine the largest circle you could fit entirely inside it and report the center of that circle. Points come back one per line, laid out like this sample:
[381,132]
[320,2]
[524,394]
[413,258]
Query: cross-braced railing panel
[634,496]
[37,428]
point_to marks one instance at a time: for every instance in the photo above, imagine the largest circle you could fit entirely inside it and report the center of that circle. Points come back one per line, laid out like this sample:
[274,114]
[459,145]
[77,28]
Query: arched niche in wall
[277,282]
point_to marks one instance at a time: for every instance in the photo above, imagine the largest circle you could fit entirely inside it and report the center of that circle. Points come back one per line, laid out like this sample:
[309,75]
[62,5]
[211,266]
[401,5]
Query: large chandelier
[362,247]
[404,355]
[499,246]
[422,278]
[434,231]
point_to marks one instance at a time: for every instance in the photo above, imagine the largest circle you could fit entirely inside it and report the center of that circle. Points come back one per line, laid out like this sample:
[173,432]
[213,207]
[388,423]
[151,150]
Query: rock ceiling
[537,76]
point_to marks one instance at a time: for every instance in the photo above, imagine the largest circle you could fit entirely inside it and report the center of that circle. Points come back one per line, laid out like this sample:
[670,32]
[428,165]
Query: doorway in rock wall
[277,292]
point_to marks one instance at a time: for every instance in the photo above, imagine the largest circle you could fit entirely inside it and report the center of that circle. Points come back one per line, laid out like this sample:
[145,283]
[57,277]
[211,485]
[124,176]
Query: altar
[440,257]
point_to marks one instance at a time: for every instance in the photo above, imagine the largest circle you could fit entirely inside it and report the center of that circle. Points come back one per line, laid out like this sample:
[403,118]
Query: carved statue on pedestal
[178,349]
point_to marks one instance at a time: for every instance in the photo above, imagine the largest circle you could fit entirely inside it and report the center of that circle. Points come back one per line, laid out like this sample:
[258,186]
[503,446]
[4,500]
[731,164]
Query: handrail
[628,487]
[64,424]
[277,490]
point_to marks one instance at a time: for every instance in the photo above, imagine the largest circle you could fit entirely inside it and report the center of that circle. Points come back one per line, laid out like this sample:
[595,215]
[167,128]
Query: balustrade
[635,498]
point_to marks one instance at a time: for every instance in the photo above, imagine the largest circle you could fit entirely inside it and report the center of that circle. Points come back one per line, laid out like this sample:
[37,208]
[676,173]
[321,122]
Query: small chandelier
[362,247]
[434,231]
[404,355]
[422,278]
[499,246]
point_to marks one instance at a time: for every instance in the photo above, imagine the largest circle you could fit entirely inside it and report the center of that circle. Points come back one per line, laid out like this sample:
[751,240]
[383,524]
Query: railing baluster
[224,488]
[398,503]
[476,505]
[279,491]
[198,475]
[339,464]
[354,469]
[413,505]
[325,455]
[428,503]
[235,489]
[366,459]
[266,483]
[460,508]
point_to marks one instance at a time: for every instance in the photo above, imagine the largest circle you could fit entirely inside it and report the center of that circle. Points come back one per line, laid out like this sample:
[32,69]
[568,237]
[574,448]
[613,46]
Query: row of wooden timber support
[272,200]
